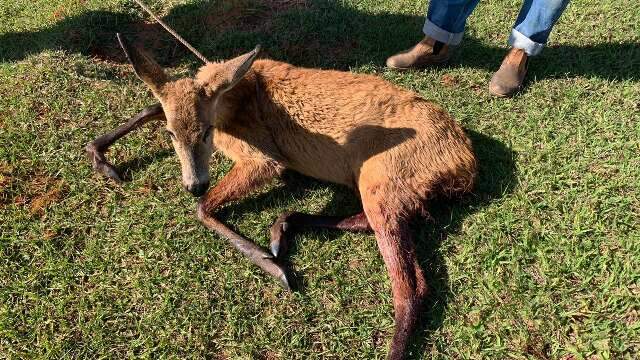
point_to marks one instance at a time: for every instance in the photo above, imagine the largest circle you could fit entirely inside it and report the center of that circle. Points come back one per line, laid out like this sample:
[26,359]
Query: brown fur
[356,130]
[394,148]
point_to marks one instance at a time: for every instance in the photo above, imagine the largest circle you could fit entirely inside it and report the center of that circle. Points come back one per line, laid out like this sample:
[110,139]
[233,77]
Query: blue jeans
[446,20]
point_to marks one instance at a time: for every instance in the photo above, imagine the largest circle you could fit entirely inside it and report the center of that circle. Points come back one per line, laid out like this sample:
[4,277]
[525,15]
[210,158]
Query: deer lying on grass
[395,149]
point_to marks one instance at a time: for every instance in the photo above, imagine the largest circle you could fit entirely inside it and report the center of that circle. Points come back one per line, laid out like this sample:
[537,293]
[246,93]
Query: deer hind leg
[96,148]
[243,178]
[291,221]
[395,243]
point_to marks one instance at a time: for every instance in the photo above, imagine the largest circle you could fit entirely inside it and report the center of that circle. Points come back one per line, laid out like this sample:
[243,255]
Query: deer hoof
[284,282]
[278,244]
[109,171]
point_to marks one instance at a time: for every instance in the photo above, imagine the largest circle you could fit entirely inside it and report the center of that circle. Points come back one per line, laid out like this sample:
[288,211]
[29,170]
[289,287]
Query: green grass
[542,261]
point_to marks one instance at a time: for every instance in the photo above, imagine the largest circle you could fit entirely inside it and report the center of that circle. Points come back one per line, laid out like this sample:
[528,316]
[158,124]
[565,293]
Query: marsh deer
[395,149]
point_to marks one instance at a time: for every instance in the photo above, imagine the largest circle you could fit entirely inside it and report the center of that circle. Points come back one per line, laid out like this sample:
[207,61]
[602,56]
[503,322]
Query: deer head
[189,106]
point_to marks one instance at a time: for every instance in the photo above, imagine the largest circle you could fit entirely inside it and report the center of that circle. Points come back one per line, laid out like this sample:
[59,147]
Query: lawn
[541,261]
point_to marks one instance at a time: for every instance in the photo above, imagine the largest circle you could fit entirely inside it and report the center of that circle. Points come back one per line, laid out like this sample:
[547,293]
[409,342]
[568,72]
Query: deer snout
[197,189]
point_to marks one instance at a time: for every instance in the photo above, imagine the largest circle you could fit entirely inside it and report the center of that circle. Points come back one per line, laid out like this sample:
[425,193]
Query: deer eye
[171,134]
[207,133]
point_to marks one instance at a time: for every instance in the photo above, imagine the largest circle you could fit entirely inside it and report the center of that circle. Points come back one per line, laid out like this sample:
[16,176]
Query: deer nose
[197,189]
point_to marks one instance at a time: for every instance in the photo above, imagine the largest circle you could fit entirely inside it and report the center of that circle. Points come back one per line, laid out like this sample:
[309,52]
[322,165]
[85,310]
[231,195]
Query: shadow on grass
[496,178]
[344,202]
[317,33]
[130,167]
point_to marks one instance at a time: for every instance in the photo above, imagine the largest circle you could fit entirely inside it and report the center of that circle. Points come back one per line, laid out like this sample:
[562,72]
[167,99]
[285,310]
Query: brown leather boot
[508,79]
[427,52]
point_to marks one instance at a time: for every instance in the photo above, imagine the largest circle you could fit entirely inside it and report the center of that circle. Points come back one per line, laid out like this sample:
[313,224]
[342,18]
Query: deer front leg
[243,178]
[96,149]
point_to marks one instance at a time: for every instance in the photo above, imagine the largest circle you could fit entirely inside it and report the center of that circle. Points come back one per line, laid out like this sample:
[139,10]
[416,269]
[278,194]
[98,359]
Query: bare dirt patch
[248,15]
[59,13]
[267,355]
[147,188]
[6,180]
[449,80]
[39,191]
[44,192]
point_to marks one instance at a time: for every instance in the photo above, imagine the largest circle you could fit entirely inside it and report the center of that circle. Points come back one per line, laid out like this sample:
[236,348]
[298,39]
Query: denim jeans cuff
[437,33]
[520,41]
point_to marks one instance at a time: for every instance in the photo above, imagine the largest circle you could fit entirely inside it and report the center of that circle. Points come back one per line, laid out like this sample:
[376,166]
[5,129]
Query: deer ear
[232,71]
[145,67]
